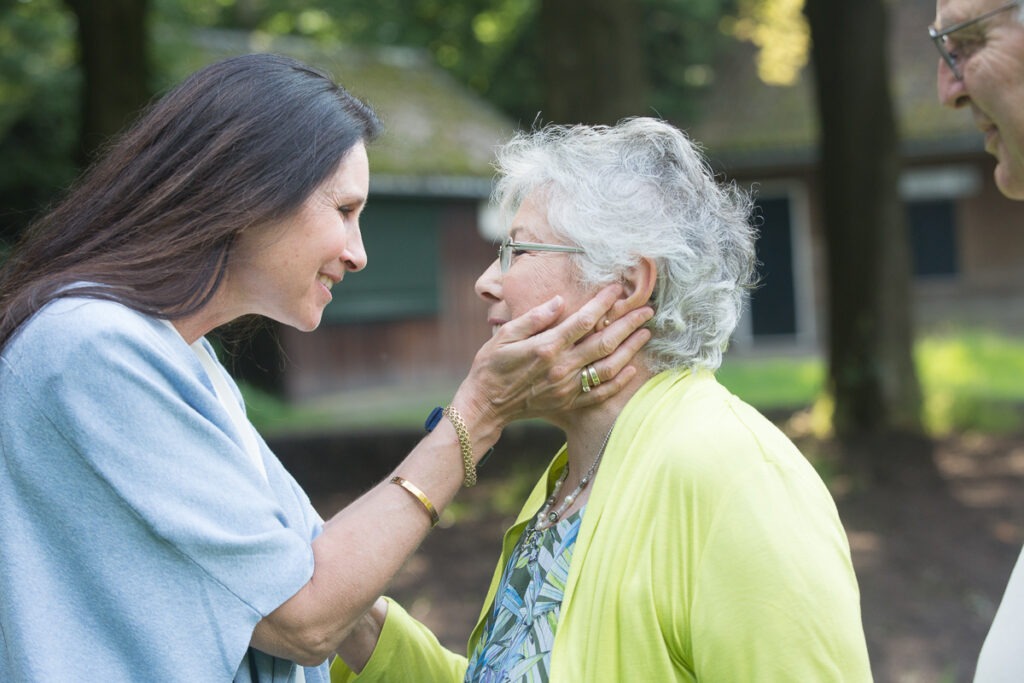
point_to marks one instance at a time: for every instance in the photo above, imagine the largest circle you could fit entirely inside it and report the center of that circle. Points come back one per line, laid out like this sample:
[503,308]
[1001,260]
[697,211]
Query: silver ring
[592,373]
[584,381]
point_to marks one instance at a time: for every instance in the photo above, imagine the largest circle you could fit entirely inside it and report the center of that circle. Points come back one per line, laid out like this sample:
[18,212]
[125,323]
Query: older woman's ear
[637,287]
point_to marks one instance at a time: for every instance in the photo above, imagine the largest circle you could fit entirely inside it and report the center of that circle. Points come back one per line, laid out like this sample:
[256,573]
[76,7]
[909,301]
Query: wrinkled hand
[529,368]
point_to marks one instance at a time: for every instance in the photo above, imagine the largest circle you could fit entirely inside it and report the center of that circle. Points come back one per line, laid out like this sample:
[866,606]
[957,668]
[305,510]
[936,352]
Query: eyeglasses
[941,39]
[508,249]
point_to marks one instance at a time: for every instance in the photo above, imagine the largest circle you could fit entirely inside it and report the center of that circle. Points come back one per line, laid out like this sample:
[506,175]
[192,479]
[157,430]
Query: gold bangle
[420,496]
[465,446]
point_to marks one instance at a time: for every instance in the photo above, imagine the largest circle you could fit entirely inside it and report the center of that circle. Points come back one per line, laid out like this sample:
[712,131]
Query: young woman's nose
[354,256]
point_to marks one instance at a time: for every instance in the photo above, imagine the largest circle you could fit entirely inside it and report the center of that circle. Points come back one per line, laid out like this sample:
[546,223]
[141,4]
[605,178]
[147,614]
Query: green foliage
[35,43]
[477,41]
[38,108]
[683,43]
[779,30]
[491,46]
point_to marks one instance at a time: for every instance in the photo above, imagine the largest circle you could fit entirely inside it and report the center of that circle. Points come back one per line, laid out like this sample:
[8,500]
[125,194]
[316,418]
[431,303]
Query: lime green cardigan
[710,550]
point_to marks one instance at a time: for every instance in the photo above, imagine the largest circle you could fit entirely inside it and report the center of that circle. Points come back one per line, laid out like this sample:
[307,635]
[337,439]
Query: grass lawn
[970,381]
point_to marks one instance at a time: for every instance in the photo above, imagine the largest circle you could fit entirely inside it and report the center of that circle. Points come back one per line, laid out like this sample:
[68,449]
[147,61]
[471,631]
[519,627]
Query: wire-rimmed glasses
[509,248]
[940,37]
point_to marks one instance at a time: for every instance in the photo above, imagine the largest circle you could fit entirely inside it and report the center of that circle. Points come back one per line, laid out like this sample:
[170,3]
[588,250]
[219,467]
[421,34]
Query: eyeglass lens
[505,255]
[941,36]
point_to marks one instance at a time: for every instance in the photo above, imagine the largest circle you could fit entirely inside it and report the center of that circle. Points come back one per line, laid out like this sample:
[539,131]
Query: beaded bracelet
[418,494]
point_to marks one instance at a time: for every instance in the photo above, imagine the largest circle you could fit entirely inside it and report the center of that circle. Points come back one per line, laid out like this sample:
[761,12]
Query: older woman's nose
[488,285]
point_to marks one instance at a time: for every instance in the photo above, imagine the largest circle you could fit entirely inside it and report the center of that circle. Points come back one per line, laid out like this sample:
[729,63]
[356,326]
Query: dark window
[773,303]
[401,276]
[933,237]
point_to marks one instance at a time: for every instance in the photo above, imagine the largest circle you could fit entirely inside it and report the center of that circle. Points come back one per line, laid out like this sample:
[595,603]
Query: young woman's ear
[637,287]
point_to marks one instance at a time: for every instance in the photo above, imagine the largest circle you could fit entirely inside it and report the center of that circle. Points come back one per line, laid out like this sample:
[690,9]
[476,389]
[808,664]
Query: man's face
[990,57]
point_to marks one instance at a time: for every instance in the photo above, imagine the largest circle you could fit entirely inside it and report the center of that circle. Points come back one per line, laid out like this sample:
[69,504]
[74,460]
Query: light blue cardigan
[137,541]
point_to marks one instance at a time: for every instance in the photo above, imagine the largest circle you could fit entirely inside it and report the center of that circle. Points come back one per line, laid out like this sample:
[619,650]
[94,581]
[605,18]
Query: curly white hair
[638,189]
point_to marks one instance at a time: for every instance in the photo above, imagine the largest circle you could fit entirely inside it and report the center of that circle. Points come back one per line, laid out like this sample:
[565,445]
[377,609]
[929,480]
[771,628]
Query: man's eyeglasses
[941,38]
[509,248]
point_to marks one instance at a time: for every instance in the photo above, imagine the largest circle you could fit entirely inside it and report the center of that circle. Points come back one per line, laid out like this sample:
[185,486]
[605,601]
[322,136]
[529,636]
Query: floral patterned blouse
[516,643]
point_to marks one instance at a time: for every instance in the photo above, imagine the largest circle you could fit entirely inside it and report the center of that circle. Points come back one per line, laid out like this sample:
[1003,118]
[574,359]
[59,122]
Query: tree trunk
[593,54]
[112,42]
[871,369]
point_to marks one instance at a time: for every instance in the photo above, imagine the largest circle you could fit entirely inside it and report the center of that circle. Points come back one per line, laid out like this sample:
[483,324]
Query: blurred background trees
[871,369]
[72,73]
[39,86]
[113,54]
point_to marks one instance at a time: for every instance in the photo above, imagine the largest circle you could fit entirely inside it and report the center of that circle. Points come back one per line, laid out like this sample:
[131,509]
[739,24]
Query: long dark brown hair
[238,144]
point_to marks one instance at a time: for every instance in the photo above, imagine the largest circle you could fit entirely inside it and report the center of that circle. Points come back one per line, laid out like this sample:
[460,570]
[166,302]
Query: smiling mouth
[325,281]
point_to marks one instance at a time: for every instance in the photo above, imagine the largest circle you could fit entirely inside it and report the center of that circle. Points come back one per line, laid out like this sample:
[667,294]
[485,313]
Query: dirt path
[932,559]
[933,562]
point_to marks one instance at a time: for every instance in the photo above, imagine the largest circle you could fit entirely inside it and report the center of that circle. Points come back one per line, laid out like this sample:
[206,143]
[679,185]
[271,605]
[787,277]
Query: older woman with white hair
[678,535]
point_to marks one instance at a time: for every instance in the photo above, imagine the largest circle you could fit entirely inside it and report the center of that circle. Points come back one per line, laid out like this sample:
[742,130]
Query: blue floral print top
[517,639]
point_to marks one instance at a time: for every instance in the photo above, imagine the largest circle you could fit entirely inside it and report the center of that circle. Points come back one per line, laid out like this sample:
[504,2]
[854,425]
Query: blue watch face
[433,418]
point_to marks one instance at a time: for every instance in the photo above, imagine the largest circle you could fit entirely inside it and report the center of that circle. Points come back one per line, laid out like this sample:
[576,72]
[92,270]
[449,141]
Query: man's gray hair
[642,189]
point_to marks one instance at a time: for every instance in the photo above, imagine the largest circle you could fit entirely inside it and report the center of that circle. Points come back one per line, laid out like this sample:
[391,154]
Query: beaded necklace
[547,517]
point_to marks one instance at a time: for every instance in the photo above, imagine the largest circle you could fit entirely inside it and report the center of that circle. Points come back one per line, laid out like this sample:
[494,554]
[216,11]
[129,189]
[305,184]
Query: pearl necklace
[547,517]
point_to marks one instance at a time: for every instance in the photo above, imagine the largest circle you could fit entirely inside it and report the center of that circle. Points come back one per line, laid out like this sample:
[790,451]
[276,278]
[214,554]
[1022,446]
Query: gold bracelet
[420,496]
[465,446]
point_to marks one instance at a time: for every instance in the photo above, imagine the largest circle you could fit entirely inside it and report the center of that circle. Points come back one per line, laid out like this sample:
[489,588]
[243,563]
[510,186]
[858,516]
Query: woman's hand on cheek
[532,366]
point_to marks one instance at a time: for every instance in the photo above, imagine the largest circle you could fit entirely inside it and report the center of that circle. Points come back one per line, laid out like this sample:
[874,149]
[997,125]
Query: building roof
[439,136]
[747,123]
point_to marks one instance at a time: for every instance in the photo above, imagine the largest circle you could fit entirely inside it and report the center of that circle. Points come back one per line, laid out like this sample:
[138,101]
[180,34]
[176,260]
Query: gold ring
[585,381]
[592,373]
